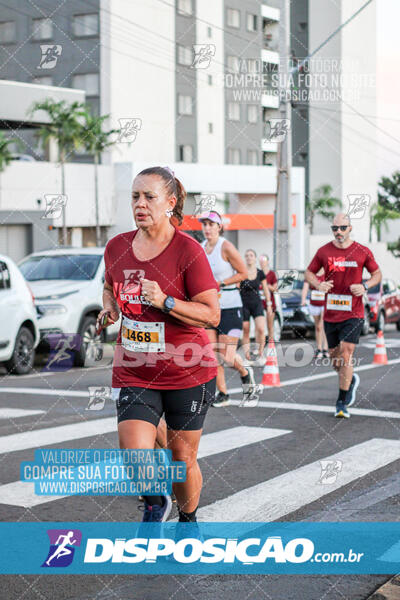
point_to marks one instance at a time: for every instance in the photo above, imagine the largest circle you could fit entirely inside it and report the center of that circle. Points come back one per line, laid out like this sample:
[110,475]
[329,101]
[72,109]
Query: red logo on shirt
[335,263]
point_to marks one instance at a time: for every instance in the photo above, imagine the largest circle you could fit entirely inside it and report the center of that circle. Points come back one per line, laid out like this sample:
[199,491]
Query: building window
[8,32]
[233,111]
[232,64]
[252,157]
[186,153]
[252,113]
[42,29]
[85,25]
[184,7]
[210,128]
[209,79]
[251,22]
[233,18]
[209,32]
[253,65]
[234,156]
[185,55]
[185,105]
[88,82]
[269,159]
[44,80]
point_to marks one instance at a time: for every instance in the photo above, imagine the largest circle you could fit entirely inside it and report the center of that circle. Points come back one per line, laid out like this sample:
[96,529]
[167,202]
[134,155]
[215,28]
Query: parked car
[296,318]
[384,304]
[68,284]
[19,332]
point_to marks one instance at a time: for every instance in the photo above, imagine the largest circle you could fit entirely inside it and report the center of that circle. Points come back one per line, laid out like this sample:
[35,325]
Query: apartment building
[336,92]
[187,82]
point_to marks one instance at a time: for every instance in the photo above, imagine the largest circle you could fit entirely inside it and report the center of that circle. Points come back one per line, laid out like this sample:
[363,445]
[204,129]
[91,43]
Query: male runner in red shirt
[343,261]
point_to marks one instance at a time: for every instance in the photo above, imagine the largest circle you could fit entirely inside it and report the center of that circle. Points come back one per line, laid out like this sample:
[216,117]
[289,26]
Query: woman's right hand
[112,317]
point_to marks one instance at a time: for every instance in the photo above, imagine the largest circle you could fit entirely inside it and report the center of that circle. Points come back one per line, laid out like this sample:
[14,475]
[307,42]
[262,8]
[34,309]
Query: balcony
[267,146]
[270,56]
[270,13]
[269,99]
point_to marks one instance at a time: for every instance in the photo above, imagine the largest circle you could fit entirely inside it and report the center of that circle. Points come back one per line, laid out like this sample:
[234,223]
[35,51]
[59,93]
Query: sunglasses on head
[337,227]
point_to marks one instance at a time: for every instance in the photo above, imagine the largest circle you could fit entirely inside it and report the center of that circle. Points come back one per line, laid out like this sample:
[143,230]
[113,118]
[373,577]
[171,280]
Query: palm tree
[322,203]
[95,141]
[66,130]
[5,152]
[379,217]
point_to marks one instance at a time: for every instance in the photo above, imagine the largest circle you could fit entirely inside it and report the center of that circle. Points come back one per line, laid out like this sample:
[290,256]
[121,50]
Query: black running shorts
[254,309]
[344,331]
[184,409]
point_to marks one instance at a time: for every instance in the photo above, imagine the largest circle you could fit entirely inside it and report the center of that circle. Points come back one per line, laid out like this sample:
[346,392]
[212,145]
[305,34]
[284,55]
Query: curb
[389,591]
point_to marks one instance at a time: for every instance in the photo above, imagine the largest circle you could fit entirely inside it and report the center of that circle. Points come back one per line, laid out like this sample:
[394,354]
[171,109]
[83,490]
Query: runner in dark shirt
[252,305]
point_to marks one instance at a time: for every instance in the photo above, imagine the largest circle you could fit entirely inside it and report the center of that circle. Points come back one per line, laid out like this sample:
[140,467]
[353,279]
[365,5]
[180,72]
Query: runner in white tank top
[228,269]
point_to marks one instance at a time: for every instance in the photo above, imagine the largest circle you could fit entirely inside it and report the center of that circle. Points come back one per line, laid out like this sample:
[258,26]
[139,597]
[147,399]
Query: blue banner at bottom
[201,548]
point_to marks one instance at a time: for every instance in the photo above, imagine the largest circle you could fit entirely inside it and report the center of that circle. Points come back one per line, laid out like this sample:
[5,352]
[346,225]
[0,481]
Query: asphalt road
[294,429]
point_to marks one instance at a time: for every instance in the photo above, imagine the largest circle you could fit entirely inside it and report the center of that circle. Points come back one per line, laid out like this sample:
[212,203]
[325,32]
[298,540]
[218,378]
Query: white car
[68,288]
[19,332]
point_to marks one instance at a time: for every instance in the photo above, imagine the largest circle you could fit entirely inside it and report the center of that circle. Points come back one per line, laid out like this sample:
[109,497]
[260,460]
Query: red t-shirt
[270,279]
[154,349]
[344,266]
[314,296]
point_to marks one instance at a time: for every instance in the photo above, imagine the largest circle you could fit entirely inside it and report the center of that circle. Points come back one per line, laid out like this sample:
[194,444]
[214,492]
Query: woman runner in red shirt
[159,279]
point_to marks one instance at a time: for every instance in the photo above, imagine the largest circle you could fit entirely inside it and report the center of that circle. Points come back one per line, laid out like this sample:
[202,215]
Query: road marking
[394,343]
[273,499]
[44,374]
[21,493]
[236,437]
[365,412]
[56,435]
[14,413]
[44,392]
[394,361]
[84,394]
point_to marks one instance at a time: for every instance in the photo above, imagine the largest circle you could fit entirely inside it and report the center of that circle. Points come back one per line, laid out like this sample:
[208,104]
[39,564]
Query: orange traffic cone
[380,356]
[271,370]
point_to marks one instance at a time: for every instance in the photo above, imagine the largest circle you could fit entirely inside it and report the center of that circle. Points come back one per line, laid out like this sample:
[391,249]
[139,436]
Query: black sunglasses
[337,227]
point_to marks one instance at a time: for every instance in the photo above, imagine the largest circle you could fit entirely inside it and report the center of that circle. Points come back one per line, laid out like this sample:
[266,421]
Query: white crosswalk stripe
[20,493]
[271,500]
[15,413]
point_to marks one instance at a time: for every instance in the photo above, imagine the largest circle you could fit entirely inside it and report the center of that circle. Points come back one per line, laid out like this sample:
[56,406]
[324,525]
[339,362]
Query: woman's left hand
[151,292]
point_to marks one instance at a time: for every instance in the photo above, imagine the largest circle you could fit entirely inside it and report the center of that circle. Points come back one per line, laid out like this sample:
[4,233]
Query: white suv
[19,333]
[68,288]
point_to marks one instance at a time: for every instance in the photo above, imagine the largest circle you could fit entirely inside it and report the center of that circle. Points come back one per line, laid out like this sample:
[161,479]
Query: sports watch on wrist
[365,286]
[169,304]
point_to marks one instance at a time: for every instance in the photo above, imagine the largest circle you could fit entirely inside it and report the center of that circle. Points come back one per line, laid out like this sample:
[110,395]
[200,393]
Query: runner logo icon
[61,551]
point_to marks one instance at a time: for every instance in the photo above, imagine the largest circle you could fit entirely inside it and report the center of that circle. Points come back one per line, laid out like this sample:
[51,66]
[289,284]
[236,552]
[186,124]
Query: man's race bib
[339,302]
[138,336]
[317,295]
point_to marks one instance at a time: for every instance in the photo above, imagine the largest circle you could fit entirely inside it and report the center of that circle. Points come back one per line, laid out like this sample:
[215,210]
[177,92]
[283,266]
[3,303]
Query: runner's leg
[346,368]
[184,446]
[246,339]
[319,328]
[270,324]
[260,333]
[161,439]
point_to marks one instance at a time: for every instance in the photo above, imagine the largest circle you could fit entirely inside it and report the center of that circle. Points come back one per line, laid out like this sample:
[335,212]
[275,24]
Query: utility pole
[283,248]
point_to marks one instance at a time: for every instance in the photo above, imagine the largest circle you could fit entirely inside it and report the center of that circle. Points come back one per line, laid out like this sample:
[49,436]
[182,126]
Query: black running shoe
[351,394]
[221,400]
